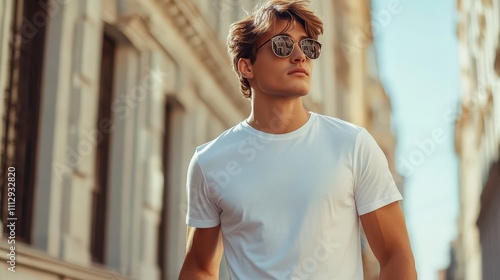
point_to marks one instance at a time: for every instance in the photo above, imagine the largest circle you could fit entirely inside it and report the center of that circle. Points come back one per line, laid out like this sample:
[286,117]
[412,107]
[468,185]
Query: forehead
[285,26]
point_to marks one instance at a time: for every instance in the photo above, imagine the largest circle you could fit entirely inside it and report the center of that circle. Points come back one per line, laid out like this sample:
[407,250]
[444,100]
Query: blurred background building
[103,104]
[477,141]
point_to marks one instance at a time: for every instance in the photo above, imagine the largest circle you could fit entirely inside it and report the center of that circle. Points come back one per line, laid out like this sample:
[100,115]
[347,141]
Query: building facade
[103,105]
[477,141]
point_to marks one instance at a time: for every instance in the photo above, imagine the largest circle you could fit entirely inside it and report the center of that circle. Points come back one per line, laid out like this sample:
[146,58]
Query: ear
[245,68]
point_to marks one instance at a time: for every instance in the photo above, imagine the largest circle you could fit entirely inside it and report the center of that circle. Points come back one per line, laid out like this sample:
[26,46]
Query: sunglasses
[283,46]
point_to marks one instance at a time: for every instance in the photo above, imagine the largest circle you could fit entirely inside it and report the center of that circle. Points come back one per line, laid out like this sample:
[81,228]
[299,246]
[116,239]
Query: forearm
[398,267]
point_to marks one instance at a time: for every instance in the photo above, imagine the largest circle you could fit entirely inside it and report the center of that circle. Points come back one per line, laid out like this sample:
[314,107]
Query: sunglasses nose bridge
[298,47]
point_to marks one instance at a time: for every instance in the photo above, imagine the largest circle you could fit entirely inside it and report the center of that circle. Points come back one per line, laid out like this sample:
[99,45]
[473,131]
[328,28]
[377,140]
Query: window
[163,227]
[21,114]
[104,121]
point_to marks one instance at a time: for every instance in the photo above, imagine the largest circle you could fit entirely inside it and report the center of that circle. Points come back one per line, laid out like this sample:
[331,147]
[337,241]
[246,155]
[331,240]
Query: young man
[284,191]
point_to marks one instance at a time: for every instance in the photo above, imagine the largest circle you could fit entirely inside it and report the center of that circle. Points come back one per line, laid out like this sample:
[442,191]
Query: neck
[277,115]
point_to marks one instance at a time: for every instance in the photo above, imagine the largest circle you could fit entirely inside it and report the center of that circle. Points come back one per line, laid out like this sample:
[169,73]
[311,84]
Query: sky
[418,59]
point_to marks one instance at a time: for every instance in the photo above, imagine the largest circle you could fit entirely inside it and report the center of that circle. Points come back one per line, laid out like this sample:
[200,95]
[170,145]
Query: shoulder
[340,128]
[226,141]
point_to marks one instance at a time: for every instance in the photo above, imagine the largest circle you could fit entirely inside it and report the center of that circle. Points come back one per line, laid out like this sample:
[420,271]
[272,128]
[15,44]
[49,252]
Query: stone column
[55,165]
[83,135]
[182,129]
[121,175]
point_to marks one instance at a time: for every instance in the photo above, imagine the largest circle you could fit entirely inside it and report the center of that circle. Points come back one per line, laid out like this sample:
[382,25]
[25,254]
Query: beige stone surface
[477,139]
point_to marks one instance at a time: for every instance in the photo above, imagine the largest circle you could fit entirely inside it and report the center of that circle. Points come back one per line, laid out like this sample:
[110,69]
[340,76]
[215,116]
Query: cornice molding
[206,45]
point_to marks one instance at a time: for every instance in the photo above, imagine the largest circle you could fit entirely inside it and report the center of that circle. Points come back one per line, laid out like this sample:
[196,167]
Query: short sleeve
[202,212]
[374,186]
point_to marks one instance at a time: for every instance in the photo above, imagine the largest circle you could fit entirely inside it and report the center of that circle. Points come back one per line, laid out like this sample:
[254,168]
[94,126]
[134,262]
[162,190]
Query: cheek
[268,72]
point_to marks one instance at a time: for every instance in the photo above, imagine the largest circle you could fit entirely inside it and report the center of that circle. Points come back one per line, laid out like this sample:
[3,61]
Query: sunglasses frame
[293,46]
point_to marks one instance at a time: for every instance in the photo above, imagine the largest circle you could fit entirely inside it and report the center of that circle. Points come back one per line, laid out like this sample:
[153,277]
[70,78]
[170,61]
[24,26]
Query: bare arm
[204,252]
[386,232]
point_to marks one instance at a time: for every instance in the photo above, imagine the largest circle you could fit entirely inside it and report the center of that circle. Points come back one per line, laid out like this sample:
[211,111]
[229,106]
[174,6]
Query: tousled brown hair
[244,34]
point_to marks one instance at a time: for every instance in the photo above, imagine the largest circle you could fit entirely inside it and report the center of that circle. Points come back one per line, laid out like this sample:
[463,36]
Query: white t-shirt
[289,204]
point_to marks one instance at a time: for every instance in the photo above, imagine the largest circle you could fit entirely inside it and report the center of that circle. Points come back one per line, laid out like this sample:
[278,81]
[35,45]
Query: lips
[299,70]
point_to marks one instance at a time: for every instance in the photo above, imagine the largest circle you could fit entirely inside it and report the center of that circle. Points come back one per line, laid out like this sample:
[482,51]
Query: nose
[297,55]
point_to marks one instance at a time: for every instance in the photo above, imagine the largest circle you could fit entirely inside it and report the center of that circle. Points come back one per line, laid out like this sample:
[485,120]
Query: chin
[290,91]
[292,94]
[301,91]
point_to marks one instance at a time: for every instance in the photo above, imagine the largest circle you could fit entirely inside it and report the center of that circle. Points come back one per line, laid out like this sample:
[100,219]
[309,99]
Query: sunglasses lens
[311,48]
[282,46]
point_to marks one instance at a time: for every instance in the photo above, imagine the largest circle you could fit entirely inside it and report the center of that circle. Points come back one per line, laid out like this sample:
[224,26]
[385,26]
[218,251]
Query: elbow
[398,265]
[186,274]
[190,271]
